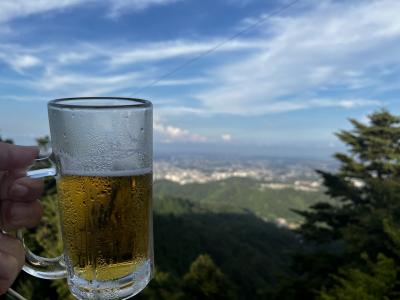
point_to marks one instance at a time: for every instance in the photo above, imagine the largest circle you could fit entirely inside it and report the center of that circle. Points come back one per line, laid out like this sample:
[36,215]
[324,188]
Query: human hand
[19,207]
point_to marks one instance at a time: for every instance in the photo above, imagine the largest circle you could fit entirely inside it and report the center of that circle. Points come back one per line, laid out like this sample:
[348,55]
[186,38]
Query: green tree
[375,283]
[366,187]
[206,281]
[375,280]
[366,190]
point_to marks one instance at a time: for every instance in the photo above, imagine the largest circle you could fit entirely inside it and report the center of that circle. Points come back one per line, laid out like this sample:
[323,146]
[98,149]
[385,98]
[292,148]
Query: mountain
[242,195]
[251,252]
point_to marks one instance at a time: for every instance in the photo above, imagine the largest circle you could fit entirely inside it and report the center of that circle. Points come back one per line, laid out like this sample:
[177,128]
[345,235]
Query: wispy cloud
[66,69]
[10,10]
[335,46]
[82,84]
[19,8]
[177,48]
[20,62]
[320,57]
[285,106]
[119,7]
[73,57]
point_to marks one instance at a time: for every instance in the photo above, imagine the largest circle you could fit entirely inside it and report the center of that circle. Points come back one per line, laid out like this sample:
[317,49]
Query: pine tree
[366,190]
[374,281]
[366,187]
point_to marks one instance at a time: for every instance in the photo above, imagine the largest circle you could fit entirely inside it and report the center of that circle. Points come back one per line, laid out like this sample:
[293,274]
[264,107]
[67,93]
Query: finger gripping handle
[35,265]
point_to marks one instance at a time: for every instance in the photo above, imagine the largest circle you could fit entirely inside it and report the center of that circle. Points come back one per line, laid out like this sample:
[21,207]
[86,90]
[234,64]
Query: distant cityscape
[273,173]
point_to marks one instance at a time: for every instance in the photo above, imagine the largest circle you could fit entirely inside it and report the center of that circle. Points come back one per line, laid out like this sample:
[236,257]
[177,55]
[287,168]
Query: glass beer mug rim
[100,103]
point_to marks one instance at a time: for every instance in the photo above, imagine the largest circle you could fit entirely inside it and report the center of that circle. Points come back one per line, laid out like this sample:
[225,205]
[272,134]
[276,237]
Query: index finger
[16,157]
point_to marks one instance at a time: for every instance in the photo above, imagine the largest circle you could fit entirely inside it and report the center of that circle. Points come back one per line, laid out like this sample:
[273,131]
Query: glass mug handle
[35,265]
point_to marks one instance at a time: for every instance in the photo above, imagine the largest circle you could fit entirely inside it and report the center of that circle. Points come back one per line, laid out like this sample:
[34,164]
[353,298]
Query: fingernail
[18,190]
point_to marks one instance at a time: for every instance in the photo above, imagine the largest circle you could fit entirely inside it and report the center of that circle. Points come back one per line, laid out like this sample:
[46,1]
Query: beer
[106,224]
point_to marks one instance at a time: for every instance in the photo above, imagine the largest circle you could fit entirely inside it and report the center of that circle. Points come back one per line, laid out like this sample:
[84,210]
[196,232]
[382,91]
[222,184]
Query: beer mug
[102,162]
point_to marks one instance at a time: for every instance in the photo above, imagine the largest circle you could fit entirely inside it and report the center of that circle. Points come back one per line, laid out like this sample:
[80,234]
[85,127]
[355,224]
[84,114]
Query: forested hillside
[243,194]
[249,252]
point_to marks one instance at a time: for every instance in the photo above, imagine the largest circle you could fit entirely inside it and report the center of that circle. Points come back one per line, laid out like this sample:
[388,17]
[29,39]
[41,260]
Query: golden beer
[106,224]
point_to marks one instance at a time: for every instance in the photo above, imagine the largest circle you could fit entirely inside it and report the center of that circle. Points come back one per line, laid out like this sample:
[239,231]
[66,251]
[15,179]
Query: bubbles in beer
[106,223]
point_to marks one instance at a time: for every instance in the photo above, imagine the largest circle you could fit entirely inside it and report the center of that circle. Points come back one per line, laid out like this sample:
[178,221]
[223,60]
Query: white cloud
[10,10]
[171,133]
[285,106]
[19,62]
[73,57]
[119,7]
[226,137]
[171,49]
[65,70]
[182,82]
[19,8]
[335,46]
[25,61]
[83,84]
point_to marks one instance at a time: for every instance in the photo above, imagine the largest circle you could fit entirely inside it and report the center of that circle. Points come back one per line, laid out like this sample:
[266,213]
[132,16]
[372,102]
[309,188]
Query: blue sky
[290,82]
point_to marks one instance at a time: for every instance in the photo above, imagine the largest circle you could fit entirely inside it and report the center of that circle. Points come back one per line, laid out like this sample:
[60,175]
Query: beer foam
[110,173]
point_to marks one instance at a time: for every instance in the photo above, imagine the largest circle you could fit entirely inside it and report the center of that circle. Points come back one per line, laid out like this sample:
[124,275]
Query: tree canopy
[366,190]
